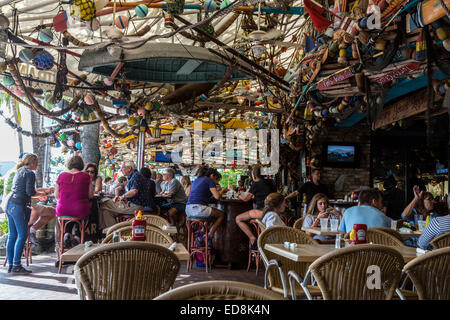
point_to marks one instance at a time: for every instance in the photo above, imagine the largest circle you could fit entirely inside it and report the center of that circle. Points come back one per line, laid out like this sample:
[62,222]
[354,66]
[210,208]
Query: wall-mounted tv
[341,155]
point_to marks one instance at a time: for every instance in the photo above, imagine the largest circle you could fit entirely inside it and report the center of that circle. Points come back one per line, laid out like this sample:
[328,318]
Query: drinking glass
[324,224]
[422,224]
[334,223]
[394,224]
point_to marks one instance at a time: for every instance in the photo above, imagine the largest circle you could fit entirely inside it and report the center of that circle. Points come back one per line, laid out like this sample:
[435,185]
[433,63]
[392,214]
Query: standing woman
[259,190]
[92,169]
[186,183]
[73,191]
[18,210]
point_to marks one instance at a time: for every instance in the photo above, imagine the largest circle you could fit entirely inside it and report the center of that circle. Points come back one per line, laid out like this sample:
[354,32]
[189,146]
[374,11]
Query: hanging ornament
[83,10]
[70,143]
[63,136]
[57,143]
[225,3]
[121,22]
[210,5]
[43,60]
[89,99]
[113,151]
[78,145]
[100,4]
[46,35]
[8,81]
[141,10]
[26,55]
[93,25]
[18,92]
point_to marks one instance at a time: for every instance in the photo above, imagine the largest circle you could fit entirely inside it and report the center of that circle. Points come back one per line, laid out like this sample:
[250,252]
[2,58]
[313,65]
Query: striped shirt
[436,227]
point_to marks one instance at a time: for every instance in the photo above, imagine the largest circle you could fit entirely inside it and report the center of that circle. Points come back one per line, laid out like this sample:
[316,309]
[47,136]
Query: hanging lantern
[141,10]
[83,9]
[46,35]
[43,60]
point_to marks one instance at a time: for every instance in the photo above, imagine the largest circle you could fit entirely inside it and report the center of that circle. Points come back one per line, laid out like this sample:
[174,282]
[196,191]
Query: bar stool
[195,224]
[62,224]
[27,252]
[254,253]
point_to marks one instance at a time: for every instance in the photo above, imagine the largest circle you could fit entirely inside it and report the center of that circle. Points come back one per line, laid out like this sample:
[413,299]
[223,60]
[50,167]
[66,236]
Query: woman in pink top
[73,191]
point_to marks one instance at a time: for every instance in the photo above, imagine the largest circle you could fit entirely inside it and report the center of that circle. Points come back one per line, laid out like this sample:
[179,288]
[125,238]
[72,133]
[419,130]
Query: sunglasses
[89,171]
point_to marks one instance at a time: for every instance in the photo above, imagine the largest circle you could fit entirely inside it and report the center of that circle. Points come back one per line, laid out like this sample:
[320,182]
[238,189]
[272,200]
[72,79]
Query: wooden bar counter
[230,242]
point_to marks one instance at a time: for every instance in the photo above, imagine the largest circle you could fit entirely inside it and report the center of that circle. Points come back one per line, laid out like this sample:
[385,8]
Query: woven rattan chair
[298,223]
[392,232]
[377,236]
[345,274]
[261,225]
[152,234]
[156,220]
[277,266]
[430,274]
[220,290]
[118,226]
[126,271]
[441,241]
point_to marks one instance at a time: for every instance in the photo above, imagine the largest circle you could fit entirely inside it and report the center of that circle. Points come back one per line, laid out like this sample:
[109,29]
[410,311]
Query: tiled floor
[46,284]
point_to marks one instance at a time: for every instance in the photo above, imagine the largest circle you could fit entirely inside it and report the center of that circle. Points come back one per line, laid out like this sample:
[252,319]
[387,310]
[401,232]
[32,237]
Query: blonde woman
[317,210]
[274,204]
[187,184]
[18,210]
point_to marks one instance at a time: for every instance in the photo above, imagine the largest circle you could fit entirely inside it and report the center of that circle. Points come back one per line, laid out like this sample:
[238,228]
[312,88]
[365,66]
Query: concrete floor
[45,283]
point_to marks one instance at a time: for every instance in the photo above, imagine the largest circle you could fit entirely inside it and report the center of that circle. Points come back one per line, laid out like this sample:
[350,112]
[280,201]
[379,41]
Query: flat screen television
[341,155]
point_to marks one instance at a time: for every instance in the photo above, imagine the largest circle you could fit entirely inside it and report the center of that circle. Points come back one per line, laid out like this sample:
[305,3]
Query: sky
[9,147]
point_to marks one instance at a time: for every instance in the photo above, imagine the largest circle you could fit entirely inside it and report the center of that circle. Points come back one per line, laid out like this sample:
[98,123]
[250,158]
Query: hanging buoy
[46,35]
[121,22]
[26,55]
[141,10]
[93,25]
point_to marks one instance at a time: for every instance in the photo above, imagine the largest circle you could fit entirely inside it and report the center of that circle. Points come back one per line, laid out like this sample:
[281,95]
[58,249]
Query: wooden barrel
[230,242]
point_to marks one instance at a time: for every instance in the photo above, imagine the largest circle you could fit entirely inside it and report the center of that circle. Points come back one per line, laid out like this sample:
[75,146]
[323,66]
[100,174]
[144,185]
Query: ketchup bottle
[139,225]
[360,233]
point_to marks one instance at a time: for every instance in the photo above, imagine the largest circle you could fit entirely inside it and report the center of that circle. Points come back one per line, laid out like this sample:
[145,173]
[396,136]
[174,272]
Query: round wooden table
[231,243]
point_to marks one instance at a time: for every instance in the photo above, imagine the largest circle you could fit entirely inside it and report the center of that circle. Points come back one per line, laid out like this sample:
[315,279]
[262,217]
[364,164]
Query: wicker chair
[261,225]
[118,226]
[344,274]
[152,234]
[126,271]
[277,278]
[392,232]
[441,241]
[430,274]
[156,220]
[378,236]
[220,290]
[298,223]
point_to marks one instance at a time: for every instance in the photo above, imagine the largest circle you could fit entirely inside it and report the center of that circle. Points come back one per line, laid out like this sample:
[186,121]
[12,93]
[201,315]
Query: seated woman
[92,169]
[273,206]
[317,210]
[241,187]
[187,184]
[422,205]
[73,191]
[202,189]
[40,215]
[259,190]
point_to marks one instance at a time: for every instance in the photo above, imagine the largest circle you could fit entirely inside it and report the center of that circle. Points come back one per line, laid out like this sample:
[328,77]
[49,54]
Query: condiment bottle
[139,225]
[360,231]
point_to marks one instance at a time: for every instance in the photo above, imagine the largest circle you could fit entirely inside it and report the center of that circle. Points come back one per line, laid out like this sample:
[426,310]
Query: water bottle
[115,237]
[338,243]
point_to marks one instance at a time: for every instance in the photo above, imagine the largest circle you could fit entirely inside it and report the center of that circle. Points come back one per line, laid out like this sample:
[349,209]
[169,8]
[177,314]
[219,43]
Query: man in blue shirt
[367,212]
[136,198]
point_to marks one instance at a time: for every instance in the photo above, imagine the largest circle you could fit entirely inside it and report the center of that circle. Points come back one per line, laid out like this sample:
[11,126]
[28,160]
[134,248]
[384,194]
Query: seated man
[436,226]
[119,188]
[136,197]
[368,212]
[176,204]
